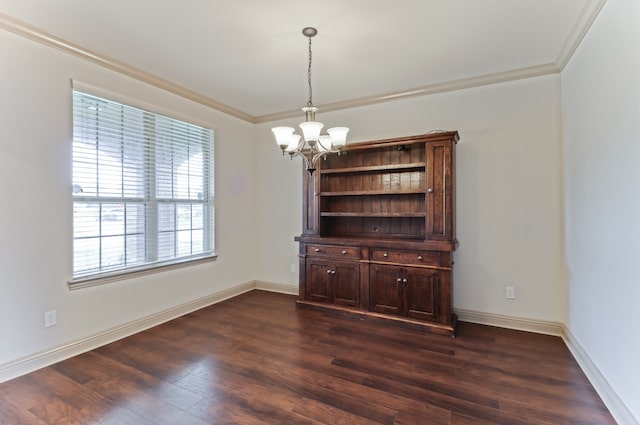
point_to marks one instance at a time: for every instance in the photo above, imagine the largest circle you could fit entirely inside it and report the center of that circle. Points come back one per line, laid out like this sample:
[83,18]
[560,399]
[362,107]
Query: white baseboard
[530,325]
[45,358]
[277,287]
[616,406]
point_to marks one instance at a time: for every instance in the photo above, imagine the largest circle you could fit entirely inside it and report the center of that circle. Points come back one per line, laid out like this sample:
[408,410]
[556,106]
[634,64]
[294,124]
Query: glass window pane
[112,251]
[196,216]
[135,250]
[86,219]
[112,217]
[86,254]
[135,218]
[184,217]
[197,240]
[184,243]
[166,245]
[166,217]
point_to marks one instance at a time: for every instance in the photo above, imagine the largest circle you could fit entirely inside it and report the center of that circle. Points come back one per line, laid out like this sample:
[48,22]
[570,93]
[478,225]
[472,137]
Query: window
[142,189]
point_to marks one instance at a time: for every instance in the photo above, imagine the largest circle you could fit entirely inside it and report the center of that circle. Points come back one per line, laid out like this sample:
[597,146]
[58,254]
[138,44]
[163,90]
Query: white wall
[509,199]
[35,214]
[601,114]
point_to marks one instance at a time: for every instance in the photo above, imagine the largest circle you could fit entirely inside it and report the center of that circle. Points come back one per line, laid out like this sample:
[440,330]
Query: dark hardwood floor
[257,359]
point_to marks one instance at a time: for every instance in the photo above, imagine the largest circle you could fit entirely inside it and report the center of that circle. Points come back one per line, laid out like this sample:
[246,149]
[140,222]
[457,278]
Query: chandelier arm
[306,160]
[298,149]
[300,146]
[326,149]
[319,155]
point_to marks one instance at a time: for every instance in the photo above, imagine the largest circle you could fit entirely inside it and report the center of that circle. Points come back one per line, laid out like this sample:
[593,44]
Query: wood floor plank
[14,413]
[257,359]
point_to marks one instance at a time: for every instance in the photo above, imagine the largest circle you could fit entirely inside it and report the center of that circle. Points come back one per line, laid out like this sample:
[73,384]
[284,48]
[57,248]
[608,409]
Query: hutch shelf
[379,232]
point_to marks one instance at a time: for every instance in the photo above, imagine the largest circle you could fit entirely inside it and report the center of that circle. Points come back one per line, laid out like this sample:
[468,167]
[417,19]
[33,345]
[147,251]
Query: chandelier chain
[310,101]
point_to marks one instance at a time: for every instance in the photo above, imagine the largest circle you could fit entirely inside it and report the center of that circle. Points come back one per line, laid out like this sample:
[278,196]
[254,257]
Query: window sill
[108,277]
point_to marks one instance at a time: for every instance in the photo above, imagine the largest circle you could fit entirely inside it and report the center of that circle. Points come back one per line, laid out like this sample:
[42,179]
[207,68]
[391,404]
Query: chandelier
[311,146]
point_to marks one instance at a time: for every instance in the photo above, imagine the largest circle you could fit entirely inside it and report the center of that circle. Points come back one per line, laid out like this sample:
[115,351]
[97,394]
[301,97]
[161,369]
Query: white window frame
[150,201]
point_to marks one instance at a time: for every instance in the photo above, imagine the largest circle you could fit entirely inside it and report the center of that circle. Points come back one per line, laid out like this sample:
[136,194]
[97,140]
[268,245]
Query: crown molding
[447,86]
[589,15]
[587,18]
[25,30]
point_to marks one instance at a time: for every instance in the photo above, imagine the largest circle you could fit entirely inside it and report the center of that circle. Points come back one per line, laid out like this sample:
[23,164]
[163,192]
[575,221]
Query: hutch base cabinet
[379,232]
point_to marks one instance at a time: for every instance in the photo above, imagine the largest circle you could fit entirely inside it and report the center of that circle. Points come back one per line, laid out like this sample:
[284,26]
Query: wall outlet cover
[510,292]
[50,318]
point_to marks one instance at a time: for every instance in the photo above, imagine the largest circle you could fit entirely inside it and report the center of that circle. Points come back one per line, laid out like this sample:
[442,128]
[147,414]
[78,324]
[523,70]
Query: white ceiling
[249,57]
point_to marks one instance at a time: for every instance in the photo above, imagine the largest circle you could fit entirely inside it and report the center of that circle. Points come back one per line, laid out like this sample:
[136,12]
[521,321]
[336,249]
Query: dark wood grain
[257,359]
[392,192]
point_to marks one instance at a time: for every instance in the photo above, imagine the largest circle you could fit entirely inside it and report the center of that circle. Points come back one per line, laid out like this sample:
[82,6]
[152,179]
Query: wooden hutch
[379,232]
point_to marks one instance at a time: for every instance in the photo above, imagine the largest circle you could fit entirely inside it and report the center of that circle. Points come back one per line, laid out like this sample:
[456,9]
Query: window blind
[143,190]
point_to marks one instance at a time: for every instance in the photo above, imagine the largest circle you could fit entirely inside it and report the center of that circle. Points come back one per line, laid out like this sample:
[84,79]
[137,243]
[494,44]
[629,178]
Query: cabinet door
[319,278]
[346,283]
[421,293]
[385,291]
[440,187]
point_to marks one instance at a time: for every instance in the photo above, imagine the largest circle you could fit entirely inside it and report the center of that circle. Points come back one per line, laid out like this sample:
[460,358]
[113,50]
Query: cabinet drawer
[427,258]
[334,251]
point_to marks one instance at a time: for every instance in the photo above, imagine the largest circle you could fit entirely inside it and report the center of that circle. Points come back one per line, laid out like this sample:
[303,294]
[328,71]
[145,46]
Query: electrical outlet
[292,268]
[510,292]
[50,318]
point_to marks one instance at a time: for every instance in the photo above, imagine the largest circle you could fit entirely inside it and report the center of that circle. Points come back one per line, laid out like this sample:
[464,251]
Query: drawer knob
[344,252]
[385,255]
[317,249]
[420,257]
